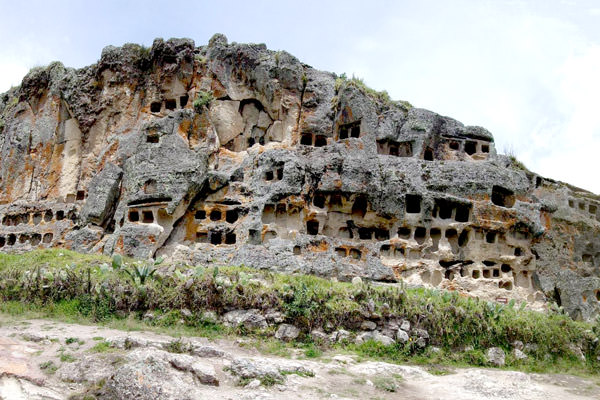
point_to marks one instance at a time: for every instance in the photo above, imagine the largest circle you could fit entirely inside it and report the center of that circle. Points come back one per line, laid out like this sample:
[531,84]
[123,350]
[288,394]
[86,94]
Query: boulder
[340,335]
[368,326]
[287,332]
[375,336]
[250,319]
[319,336]
[255,369]
[150,374]
[402,336]
[495,356]
[405,326]
[518,354]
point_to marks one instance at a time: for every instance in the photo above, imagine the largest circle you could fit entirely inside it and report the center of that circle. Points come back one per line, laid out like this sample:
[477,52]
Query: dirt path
[43,360]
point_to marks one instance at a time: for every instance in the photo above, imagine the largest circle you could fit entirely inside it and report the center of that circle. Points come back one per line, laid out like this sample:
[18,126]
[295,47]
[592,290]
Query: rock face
[235,153]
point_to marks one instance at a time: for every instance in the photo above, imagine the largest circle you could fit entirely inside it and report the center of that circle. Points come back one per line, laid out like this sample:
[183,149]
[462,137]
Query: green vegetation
[382,97]
[144,52]
[138,272]
[102,347]
[510,152]
[388,384]
[517,164]
[144,56]
[66,357]
[201,60]
[74,287]
[72,340]
[203,99]
[48,367]
[177,346]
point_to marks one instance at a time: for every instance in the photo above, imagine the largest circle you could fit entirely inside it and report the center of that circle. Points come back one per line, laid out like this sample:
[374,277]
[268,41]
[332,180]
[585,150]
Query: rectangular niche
[147,217]
[349,130]
[312,227]
[392,148]
[503,197]
[413,203]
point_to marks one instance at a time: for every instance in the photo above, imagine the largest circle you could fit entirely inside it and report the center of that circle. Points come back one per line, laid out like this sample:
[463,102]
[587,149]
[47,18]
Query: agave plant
[117,261]
[139,272]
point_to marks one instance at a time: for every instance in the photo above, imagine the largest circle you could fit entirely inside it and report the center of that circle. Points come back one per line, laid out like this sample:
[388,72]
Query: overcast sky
[529,71]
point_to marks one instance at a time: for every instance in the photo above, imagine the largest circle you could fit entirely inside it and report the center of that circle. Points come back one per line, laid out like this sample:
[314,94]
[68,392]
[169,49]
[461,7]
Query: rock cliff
[237,154]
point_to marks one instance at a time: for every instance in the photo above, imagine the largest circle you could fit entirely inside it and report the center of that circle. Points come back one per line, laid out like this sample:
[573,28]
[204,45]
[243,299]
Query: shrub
[203,99]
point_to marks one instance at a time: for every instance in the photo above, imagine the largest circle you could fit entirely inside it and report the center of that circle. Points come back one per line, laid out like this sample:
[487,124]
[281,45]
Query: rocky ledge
[234,153]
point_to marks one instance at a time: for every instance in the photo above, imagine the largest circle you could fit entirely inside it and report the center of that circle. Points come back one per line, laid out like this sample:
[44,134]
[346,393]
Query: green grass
[66,357]
[387,384]
[102,347]
[177,346]
[70,287]
[71,340]
[50,258]
[48,367]
[382,97]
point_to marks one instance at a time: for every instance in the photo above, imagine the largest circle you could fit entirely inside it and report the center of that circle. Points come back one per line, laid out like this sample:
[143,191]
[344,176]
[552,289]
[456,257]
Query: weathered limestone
[286,167]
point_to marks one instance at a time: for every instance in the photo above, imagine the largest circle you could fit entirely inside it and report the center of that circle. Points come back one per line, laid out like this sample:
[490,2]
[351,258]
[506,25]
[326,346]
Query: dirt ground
[38,361]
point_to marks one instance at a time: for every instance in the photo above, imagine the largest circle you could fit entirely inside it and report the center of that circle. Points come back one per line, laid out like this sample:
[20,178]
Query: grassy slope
[86,288]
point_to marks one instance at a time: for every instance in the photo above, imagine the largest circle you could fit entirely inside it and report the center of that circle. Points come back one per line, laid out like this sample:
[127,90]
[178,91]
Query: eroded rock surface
[43,360]
[241,155]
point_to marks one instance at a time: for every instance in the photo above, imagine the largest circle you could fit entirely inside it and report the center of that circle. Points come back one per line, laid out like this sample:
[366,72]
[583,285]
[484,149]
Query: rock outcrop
[241,155]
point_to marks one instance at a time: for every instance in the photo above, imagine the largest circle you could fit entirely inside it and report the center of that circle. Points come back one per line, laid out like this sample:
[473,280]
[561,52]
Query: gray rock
[319,336]
[205,373]
[34,337]
[274,316]
[102,195]
[375,336]
[340,335]
[368,326]
[255,369]
[518,354]
[251,319]
[402,336]
[421,333]
[287,332]
[209,316]
[87,369]
[150,374]
[186,313]
[576,351]
[517,344]
[200,350]
[405,326]
[149,316]
[253,384]
[495,356]
[421,343]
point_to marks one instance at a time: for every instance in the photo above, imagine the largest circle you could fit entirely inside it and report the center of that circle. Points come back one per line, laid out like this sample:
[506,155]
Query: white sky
[527,70]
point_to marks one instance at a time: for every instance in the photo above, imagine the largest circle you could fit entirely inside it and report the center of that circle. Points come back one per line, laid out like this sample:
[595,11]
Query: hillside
[242,155]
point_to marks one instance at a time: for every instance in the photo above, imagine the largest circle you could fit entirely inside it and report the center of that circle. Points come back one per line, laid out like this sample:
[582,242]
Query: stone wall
[240,155]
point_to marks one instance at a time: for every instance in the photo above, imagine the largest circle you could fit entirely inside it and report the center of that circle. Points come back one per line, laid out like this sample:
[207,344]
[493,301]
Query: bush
[203,99]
